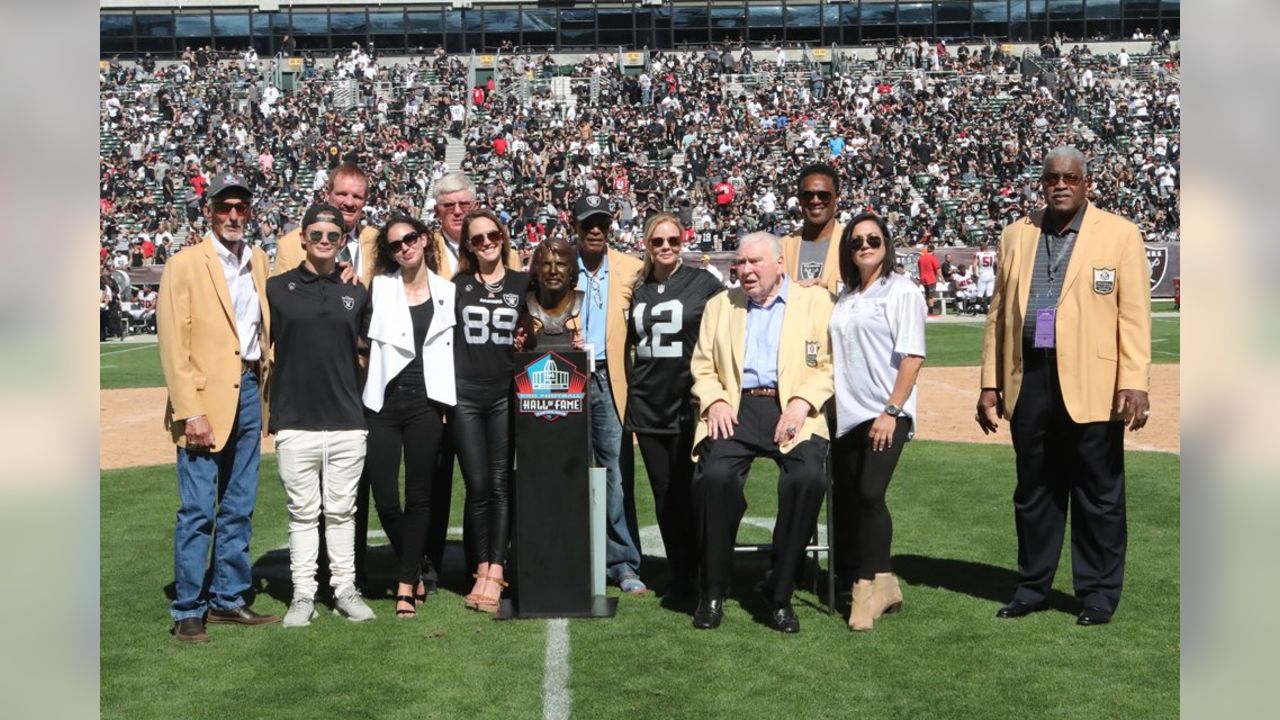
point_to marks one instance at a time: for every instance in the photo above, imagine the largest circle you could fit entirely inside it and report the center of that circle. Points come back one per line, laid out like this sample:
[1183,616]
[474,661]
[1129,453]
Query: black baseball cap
[322,212]
[589,205]
[223,182]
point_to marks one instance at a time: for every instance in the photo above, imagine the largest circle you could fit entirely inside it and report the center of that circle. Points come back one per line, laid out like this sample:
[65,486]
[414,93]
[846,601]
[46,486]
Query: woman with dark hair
[878,346]
[662,329]
[490,305]
[408,391]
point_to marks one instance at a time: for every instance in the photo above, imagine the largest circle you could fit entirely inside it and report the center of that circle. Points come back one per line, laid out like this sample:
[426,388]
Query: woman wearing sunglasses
[490,306]
[662,329]
[408,391]
[877,342]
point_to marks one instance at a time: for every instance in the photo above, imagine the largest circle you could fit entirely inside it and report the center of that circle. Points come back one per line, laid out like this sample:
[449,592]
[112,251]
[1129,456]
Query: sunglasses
[823,195]
[409,239]
[657,242]
[493,236]
[227,208]
[332,236]
[872,241]
[1071,179]
[463,205]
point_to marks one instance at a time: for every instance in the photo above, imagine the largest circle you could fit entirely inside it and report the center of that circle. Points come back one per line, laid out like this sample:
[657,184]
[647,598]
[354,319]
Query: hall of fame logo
[550,388]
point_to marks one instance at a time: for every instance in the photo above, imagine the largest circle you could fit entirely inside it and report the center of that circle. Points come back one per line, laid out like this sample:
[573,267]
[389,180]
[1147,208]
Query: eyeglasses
[822,195]
[409,239]
[331,237]
[872,241]
[480,239]
[657,242]
[1071,179]
[463,205]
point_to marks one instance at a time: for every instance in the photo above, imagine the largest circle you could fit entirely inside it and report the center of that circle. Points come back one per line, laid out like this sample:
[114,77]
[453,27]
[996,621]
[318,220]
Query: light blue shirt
[595,307]
[764,334]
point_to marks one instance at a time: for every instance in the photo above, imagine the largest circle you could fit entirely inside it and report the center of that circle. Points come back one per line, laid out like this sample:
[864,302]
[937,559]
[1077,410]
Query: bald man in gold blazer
[1067,358]
[761,377]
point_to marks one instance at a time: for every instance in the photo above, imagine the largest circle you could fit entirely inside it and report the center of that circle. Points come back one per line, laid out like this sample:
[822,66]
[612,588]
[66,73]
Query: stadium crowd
[944,143]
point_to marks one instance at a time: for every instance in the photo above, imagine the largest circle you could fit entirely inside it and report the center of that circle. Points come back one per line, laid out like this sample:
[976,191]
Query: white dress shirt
[244,299]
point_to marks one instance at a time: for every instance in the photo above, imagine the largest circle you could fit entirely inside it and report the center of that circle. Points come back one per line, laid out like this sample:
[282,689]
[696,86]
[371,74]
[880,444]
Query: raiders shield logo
[593,200]
[348,302]
[1158,258]
[511,299]
[1104,280]
[811,353]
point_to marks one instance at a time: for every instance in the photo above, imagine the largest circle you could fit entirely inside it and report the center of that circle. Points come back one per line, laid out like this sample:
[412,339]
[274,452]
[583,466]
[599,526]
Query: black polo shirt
[315,326]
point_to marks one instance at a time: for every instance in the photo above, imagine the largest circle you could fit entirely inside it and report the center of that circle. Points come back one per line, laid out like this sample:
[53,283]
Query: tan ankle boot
[861,615]
[886,594]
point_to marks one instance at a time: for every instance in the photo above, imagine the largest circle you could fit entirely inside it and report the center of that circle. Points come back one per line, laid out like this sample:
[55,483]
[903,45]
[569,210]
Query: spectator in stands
[929,268]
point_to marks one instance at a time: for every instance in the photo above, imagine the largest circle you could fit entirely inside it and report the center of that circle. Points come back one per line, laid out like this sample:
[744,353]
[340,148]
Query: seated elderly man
[761,376]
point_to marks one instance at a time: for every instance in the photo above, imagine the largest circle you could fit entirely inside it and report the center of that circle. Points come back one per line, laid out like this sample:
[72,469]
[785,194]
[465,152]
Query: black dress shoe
[709,613]
[783,619]
[240,616]
[1093,616]
[1017,609]
[190,630]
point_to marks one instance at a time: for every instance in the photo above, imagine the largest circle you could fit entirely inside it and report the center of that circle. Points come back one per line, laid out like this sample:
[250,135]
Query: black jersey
[662,326]
[486,328]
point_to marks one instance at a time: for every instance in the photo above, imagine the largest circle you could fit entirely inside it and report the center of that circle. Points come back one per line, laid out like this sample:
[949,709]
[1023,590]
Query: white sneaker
[350,605]
[301,612]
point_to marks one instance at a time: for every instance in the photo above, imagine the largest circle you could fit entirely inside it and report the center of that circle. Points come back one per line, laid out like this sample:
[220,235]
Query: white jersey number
[478,320]
[660,345]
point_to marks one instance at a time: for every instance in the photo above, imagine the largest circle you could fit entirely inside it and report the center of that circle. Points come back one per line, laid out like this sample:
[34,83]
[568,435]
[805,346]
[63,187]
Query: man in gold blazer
[812,255]
[761,378]
[1066,357]
[347,190]
[213,321]
[455,196]
[605,277]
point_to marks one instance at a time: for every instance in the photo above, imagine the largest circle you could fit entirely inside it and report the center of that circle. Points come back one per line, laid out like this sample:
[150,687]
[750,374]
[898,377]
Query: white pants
[985,287]
[305,458]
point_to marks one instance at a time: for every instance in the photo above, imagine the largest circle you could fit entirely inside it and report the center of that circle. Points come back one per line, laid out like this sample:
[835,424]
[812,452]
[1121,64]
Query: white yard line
[125,350]
[557,700]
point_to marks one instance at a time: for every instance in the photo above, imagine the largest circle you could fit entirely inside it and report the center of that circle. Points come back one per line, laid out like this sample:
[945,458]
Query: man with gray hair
[453,196]
[1066,357]
[761,376]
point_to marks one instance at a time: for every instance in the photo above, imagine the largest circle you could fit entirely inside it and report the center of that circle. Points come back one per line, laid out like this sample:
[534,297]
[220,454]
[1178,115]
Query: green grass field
[949,345]
[945,656]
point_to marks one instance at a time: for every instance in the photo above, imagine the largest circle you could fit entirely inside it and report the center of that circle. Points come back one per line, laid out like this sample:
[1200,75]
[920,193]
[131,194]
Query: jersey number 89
[477,321]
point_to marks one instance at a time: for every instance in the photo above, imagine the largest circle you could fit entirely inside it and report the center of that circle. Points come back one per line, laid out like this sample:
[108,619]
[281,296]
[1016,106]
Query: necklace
[492,287]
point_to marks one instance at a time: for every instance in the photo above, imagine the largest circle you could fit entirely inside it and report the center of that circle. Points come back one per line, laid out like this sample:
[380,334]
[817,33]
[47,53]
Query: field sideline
[945,656]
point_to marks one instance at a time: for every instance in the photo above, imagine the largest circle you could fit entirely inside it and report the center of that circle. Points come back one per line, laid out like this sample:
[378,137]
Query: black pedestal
[552,491]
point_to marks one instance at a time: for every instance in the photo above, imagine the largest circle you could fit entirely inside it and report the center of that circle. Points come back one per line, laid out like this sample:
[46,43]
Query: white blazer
[391,339]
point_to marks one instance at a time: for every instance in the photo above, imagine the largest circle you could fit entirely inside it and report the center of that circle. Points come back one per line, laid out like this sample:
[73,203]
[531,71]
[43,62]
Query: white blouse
[871,333]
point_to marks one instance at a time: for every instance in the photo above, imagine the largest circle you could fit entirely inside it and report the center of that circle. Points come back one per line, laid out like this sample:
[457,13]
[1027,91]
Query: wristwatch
[892,410]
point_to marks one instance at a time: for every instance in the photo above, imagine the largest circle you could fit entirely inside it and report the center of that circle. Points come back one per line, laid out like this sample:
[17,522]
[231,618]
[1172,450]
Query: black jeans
[670,469]
[482,433]
[411,423]
[859,479]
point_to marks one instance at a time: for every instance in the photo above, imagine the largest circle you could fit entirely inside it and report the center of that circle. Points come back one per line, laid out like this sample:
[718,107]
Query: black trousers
[719,500]
[482,427]
[411,424]
[670,470]
[1061,462]
[859,480]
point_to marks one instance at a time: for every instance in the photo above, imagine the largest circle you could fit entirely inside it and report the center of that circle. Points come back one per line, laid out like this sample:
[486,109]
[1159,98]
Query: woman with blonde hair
[662,329]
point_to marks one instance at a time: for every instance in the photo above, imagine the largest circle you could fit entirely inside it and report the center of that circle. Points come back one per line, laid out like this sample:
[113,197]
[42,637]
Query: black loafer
[784,620]
[240,616]
[709,613]
[190,630]
[1093,616]
[1017,609]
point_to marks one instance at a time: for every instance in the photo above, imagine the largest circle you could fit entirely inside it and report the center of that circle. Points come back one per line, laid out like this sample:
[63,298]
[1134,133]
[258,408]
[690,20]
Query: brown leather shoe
[190,630]
[240,616]
[861,612]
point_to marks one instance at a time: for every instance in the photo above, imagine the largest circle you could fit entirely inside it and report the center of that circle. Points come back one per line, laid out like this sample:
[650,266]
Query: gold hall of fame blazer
[830,278]
[289,253]
[804,357]
[1103,323]
[199,344]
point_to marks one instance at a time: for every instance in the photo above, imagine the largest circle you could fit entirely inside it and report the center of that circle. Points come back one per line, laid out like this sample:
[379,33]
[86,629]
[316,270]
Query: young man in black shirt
[317,415]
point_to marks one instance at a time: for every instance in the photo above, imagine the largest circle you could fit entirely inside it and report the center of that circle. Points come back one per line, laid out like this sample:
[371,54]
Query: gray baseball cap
[222,182]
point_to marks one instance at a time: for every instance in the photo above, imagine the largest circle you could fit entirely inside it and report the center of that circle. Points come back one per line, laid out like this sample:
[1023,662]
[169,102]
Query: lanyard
[1055,262]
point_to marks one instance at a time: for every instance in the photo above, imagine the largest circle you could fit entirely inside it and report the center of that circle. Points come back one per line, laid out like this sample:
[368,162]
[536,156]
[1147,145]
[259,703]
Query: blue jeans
[622,556]
[217,489]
